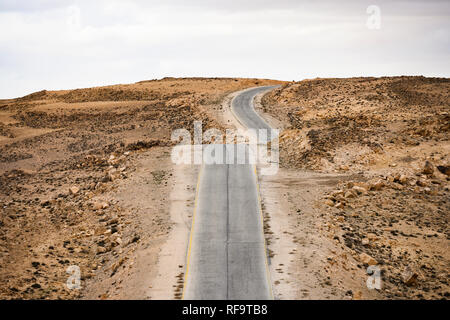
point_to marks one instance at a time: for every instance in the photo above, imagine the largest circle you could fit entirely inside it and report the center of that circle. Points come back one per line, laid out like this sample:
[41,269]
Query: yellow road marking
[192,232]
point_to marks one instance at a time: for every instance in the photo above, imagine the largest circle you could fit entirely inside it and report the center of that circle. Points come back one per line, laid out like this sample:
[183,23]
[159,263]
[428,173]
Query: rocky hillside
[390,139]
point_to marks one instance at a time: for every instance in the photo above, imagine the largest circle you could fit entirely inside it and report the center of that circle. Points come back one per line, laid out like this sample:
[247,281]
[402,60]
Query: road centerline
[228,258]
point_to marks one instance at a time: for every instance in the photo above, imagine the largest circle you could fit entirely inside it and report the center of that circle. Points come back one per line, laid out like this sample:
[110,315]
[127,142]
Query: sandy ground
[160,202]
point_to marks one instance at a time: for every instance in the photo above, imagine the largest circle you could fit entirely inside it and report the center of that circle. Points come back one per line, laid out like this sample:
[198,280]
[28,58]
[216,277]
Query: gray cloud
[65,44]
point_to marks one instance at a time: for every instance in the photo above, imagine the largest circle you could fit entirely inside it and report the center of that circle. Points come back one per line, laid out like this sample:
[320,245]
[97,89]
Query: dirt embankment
[386,140]
[65,161]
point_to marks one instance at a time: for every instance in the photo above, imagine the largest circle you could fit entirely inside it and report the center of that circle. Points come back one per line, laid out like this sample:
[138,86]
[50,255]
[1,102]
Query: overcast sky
[64,44]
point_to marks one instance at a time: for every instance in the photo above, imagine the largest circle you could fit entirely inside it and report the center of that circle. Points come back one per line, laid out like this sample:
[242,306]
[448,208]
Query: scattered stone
[329,202]
[421,183]
[359,190]
[357,295]
[409,276]
[136,238]
[100,230]
[74,190]
[112,175]
[28,172]
[117,265]
[444,170]
[403,179]
[339,205]
[377,185]
[100,205]
[349,195]
[101,250]
[428,168]
[372,237]
[366,259]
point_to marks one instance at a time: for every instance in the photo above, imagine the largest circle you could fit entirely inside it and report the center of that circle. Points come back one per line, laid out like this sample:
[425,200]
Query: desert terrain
[364,182]
[86,180]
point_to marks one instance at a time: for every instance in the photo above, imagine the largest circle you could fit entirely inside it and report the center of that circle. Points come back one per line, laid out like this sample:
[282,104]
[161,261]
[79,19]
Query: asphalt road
[242,107]
[227,254]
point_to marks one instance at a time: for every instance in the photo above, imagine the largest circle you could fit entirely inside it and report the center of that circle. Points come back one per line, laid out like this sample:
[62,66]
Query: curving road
[227,254]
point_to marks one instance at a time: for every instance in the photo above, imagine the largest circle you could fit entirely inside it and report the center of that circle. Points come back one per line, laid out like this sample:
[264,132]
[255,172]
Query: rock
[349,195]
[421,183]
[113,174]
[329,202]
[365,242]
[100,230]
[117,265]
[337,194]
[74,190]
[428,168]
[339,205]
[444,170]
[372,237]
[409,276]
[377,185]
[97,206]
[359,190]
[403,179]
[366,259]
[357,295]
[28,172]
[101,250]
[100,205]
